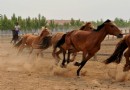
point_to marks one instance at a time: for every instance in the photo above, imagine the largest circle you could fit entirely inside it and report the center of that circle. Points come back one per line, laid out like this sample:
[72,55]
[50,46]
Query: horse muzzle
[120,36]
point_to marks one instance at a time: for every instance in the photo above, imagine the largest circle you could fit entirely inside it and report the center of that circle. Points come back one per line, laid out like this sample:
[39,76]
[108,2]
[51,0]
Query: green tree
[52,24]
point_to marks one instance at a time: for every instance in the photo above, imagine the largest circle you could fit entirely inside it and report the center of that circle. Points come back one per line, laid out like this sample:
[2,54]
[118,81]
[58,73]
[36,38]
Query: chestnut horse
[87,42]
[55,38]
[35,42]
[118,53]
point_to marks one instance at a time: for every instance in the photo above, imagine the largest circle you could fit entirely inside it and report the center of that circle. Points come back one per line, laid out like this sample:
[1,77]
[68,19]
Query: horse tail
[117,55]
[61,41]
[18,43]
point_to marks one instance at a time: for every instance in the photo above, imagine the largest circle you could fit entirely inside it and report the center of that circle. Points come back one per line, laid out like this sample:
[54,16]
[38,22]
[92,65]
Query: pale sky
[86,10]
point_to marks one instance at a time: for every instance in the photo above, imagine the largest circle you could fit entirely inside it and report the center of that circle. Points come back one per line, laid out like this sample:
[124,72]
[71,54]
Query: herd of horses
[86,39]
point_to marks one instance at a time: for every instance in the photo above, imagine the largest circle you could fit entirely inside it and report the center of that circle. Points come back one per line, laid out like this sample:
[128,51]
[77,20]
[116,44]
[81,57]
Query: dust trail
[116,72]
[10,61]
[69,71]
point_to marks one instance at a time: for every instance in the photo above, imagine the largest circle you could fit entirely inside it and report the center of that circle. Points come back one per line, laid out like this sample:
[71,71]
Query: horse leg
[74,56]
[68,57]
[53,52]
[42,55]
[30,51]
[127,65]
[39,52]
[21,47]
[57,54]
[64,60]
[86,57]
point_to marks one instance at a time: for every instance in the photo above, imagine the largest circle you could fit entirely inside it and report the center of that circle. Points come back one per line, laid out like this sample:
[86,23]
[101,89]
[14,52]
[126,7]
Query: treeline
[37,22]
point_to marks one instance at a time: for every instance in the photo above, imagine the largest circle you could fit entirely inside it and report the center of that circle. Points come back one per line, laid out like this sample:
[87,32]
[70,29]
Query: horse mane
[102,25]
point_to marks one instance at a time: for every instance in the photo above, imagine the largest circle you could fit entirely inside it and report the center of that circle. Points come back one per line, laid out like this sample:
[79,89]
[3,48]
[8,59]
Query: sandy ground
[25,72]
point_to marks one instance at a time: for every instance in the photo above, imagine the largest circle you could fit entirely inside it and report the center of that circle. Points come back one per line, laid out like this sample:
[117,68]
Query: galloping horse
[88,42]
[55,38]
[42,41]
[118,53]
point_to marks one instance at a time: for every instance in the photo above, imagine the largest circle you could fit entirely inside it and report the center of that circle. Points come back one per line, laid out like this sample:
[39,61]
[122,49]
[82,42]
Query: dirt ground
[25,72]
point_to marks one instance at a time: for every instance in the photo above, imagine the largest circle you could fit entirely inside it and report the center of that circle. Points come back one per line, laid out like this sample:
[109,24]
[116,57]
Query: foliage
[37,22]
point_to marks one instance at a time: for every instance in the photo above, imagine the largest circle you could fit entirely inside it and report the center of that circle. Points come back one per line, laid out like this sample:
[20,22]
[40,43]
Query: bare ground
[28,73]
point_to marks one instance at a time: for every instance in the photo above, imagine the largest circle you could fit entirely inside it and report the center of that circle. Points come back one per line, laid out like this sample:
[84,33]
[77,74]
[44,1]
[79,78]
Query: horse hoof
[77,64]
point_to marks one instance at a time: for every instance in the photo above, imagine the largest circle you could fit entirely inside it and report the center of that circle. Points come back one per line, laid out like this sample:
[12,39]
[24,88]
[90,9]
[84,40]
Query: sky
[86,10]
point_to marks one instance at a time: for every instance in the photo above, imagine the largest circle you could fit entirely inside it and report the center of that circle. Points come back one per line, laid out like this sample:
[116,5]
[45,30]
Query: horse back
[79,39]
[28,39]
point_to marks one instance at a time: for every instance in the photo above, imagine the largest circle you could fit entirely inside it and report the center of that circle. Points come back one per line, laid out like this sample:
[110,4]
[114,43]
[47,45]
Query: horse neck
[100,35]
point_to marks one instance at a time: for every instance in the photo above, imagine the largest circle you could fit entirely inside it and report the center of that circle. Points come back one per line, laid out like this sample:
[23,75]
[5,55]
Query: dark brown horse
[42,41]
[118,53]
[88,26]
[87,42]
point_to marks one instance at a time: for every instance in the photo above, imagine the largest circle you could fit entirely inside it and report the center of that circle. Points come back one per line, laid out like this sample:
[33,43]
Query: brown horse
[55,38]
[88,42]
[118,53]
[35,42]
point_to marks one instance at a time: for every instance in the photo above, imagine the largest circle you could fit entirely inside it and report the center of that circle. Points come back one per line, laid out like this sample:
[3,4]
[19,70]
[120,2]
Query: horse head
[112,29]
[88,26]
[45,32]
